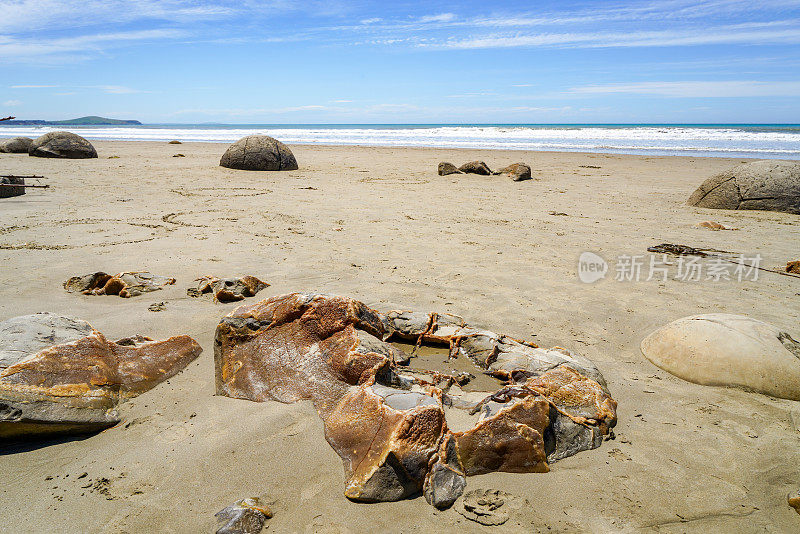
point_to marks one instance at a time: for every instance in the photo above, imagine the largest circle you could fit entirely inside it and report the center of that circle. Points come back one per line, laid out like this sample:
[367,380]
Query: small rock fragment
[179,156]
[448,168]
[246,516]
[175,142]
[794,500]
[487,507]
[157,306]
[711,225]
[793,267]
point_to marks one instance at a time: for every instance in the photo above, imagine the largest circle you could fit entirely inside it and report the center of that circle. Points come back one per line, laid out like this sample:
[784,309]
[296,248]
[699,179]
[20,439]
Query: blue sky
[341,61]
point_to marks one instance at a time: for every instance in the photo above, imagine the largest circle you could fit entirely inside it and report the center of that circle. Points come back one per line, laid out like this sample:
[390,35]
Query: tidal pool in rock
[437,358]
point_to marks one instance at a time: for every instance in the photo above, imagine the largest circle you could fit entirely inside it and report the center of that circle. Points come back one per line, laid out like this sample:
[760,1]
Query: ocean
[779,141]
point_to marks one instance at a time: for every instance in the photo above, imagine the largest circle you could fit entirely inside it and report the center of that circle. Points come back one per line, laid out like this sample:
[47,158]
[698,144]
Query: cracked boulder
[720,349]
[388,422]
[125,285]
[475,167]
[228,289]
[16,145]
[516,171]
[759,185]
[64,145]
[259,153]
[60,376]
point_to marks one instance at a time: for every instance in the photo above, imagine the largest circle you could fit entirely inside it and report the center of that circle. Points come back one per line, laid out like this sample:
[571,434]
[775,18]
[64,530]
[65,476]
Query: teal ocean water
[780,141]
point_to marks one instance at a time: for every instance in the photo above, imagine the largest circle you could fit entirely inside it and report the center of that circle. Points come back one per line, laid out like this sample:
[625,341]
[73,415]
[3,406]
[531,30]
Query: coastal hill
[81,121]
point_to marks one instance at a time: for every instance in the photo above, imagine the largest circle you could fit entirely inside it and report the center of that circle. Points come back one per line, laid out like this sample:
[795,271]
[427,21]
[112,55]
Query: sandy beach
[379,225]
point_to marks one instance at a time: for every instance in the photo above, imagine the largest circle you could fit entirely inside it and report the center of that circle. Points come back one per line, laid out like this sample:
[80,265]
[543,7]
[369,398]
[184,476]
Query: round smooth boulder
[259,153]
[16,145]
[62,145]
[759,185]
[720,349]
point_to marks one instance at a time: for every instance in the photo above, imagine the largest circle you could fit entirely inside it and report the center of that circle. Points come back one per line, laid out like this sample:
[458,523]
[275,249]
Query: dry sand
[379,225]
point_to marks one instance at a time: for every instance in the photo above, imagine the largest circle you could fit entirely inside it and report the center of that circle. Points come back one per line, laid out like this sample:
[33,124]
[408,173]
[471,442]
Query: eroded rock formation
[59,375]
[516,171]
[259,153]
[759,185]
[8,192]
[227,289]
[125,285]
[62,145]
[387,421]
[475,167]
[447,168]
[246,516]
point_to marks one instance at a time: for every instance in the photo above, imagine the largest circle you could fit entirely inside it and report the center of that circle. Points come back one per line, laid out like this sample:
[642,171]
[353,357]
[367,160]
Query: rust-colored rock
[387,423]
[125,285]
[228,289]
[793,267]
[74,386]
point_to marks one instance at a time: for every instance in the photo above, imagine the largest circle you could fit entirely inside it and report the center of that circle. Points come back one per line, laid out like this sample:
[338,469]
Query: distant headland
[92,120]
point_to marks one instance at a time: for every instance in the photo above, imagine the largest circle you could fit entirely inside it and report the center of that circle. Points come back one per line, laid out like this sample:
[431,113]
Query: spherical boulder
[720,349]
[259,153]
[16,145]
[759,185]
[62,145]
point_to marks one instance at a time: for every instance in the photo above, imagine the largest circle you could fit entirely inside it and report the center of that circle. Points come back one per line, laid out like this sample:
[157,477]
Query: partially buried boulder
[227,289]
[11,186]
[125,285]
[475,167]
[448,168]
[60,376]
[16,145]
[259,153]
[62,145]
[388,422]
[759,185]
[720,349]
[516,171]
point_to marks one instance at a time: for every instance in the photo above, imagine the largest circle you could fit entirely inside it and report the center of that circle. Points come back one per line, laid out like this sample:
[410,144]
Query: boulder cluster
[516,171]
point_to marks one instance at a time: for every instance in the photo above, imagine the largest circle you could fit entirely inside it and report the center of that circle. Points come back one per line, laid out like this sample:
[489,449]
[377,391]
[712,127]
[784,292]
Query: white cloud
[441,17]
[12,103]
[32,86]
[371,21]
[701,36]
[118,89]
[698,89]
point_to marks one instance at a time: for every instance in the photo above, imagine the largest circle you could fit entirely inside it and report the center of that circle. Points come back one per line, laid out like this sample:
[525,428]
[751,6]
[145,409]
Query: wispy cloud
[701,89]
[32,86]
[441,17]
[12,103]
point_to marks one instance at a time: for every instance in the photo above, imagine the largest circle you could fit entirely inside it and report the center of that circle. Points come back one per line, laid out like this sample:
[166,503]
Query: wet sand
[379,225]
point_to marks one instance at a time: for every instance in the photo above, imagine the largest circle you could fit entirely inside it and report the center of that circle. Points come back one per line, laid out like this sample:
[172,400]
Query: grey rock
[23,336]
[259,153]
[759,185]
[62,145]
[475,167]
[448,168]
[246,516]
[446,480]
[7,192]
[516,171]
[16,145]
